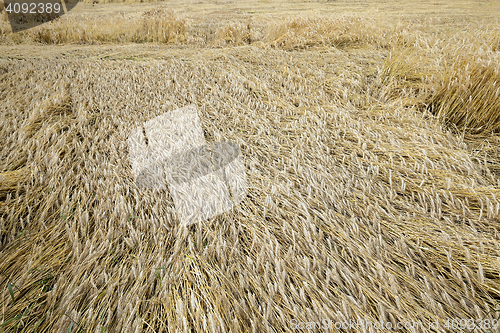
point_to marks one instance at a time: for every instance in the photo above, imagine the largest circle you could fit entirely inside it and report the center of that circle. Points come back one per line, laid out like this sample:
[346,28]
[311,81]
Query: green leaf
[158,273]
[102,294]
[18,317]
[39,322]
[70,327]
[11,319]
[21,234]
[11,291]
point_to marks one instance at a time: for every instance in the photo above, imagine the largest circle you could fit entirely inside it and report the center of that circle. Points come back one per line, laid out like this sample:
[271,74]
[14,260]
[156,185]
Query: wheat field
[370,136]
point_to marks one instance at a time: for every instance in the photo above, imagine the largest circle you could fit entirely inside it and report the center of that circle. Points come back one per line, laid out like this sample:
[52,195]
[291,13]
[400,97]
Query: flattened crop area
[359,206]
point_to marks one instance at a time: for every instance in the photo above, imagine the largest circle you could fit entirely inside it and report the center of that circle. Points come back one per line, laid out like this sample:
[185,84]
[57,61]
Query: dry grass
[156,25]
[237,33]
[341,31]
[164,26]
[362,203]
[469,95]
[153,26]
